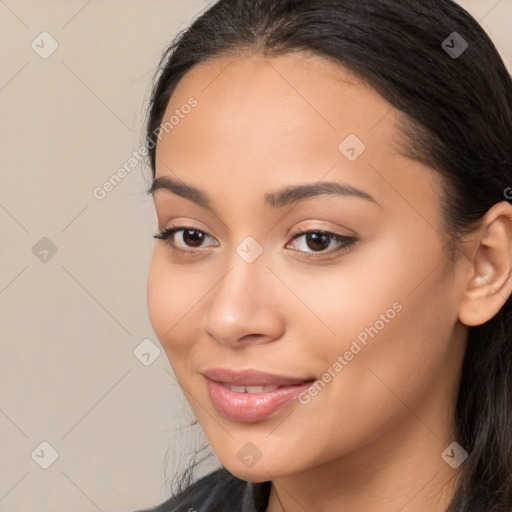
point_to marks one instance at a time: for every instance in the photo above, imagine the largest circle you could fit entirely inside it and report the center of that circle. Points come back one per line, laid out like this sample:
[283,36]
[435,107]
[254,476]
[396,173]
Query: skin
[372,438]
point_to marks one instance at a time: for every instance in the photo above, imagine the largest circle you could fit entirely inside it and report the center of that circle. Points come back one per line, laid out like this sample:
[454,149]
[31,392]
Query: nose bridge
[246,260]
[239,304]
[246,268]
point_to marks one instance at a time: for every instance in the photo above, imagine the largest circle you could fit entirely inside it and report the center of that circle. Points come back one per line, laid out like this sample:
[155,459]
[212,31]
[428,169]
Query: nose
[243,307]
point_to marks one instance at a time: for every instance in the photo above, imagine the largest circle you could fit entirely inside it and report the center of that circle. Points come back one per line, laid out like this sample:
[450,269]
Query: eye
[316,240]
[319,240]
[191,237]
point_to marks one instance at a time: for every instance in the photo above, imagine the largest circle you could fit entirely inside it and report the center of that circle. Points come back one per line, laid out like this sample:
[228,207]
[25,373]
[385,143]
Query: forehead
[261,123]
[294,101]
[261,98]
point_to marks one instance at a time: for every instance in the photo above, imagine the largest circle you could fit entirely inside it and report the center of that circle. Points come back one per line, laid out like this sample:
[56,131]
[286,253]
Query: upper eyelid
[295,234]
[185,225]
[298,231]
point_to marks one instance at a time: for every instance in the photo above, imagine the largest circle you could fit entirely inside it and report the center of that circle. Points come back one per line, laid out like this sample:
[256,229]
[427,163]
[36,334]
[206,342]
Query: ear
[490,283]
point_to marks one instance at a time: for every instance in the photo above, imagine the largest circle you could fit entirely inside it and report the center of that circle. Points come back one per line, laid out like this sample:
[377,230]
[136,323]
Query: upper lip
[251,377]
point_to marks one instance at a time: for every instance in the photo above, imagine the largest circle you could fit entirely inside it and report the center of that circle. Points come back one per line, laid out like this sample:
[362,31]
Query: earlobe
[490,284]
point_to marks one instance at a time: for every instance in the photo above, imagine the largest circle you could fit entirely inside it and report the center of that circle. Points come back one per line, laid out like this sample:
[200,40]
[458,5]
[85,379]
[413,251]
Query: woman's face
[370,316]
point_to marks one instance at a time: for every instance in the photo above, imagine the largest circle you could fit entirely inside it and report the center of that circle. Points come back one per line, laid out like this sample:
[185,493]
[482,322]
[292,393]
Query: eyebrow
[277,199]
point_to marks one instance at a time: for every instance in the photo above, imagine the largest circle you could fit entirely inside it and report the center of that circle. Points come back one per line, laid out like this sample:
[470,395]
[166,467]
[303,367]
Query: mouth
[249,396]
[253,381]
[250,389]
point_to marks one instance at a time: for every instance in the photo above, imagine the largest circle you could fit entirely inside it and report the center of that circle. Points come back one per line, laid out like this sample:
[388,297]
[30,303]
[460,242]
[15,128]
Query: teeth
[251,389]
[260,389]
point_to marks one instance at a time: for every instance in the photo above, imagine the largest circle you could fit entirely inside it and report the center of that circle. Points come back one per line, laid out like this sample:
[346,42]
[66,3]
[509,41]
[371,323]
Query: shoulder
[218,491]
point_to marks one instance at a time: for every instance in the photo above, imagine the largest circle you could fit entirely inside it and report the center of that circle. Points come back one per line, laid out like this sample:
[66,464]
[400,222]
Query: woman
[331,278]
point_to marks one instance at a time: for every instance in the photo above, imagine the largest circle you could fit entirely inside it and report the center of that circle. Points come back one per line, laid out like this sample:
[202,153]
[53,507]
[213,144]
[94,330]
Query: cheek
[168,302]
[385,283]
[389,365]
[365,290]
[392,308]
[394,333]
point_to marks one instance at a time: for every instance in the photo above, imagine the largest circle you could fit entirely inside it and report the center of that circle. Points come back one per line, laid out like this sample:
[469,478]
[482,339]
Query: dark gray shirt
[219,491]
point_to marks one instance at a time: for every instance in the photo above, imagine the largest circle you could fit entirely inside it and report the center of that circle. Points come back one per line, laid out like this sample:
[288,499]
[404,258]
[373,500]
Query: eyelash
[345,241]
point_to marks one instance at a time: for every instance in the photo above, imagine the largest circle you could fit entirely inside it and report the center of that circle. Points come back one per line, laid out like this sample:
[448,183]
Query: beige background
[71,321]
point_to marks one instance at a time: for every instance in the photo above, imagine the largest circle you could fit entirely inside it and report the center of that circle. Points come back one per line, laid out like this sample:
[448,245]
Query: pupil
[323,240]
[198,237]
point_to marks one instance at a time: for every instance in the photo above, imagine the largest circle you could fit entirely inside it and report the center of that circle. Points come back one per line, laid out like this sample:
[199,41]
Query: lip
[251,407]
[251,377]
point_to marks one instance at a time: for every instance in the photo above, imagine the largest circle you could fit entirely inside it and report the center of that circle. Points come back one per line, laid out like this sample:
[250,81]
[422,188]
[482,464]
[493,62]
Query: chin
[255,474]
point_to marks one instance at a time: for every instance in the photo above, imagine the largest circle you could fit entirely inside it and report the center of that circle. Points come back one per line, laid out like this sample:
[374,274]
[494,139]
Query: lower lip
[251,407]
